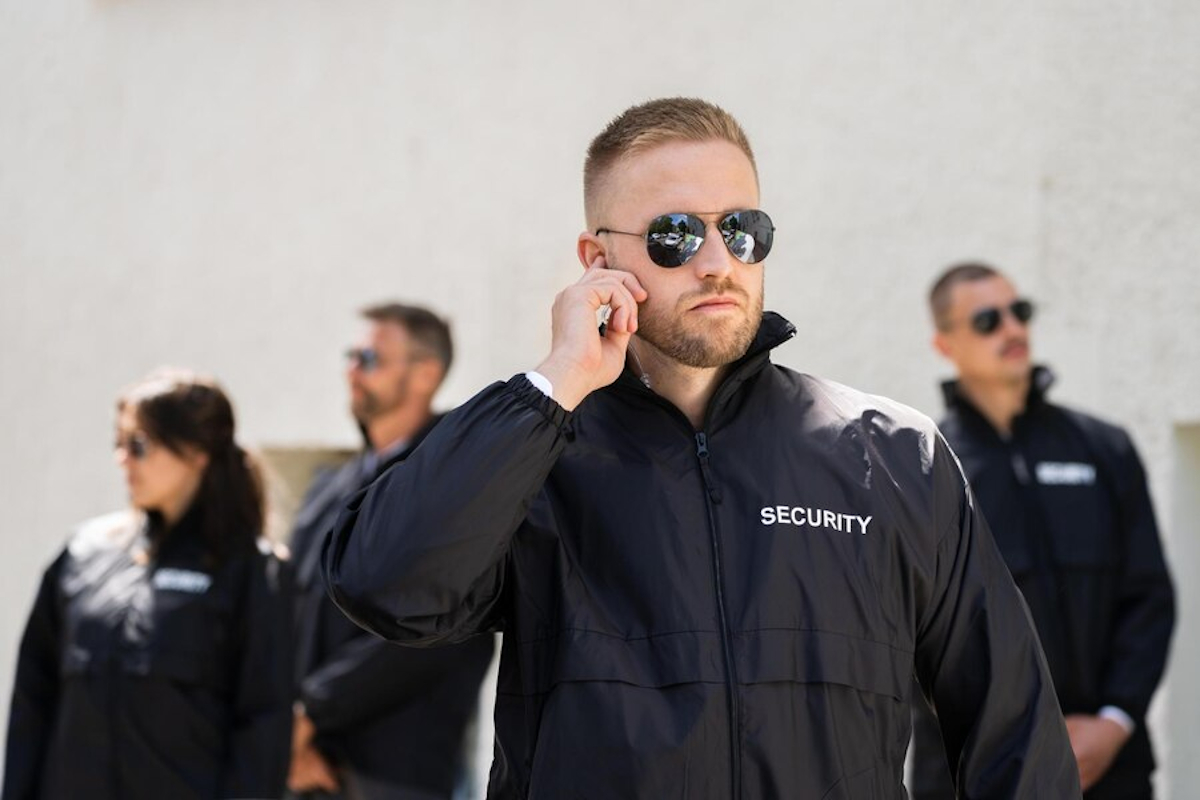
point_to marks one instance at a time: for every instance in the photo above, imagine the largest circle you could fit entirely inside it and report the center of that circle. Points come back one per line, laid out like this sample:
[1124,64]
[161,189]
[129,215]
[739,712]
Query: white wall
[222,184]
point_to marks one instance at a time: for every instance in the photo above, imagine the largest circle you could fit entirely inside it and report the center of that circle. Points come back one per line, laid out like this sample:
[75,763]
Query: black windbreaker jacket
[152,678]
[395,714]
[1066,496]
[732,612]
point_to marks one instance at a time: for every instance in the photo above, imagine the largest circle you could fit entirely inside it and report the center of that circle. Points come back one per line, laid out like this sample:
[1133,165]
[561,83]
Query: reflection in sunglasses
[673,239]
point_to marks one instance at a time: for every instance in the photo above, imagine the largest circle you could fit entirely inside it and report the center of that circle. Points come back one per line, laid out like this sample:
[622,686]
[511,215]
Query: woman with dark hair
[156,662]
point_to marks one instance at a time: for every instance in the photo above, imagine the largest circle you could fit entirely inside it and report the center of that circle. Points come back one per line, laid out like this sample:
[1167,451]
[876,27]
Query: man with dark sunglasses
[374,721]
[715,576]
[1066,497]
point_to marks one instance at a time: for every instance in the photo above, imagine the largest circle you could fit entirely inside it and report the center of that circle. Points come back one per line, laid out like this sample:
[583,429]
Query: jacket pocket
[812,656]
[823,715]
[179,667]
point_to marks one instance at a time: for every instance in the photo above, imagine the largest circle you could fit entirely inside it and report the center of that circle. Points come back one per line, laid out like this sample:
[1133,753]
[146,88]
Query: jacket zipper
[712,497]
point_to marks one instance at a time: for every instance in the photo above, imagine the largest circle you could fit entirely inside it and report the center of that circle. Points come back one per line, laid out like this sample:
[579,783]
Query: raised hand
[581,360]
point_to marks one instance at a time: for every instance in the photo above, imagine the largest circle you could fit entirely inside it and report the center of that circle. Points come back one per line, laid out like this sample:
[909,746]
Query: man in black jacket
[376,721]
[1066,497]
[715,576]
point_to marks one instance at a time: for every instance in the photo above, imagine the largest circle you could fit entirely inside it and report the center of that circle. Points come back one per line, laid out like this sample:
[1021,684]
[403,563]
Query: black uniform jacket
[1067,499]
[152,677]
[396,714]
[731,612]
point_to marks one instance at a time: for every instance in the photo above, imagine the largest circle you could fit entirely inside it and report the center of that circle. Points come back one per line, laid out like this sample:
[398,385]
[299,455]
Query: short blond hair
[648,125]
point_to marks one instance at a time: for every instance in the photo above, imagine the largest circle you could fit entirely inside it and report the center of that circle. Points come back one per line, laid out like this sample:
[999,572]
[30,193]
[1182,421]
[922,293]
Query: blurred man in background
[1066,498]
[374,720]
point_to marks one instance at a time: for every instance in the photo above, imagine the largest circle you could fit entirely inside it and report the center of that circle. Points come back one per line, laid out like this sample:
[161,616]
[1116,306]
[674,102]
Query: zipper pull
[714,494]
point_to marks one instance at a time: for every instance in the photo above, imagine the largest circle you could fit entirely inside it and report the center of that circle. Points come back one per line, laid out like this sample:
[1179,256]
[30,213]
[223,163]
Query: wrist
[568,385]
[1120,717]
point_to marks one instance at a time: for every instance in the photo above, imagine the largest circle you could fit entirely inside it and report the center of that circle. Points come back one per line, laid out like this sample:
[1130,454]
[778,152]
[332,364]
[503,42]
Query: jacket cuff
[529,394]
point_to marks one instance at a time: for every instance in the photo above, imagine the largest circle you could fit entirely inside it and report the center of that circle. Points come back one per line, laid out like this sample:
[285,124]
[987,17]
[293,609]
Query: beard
[369,405]
[697,342]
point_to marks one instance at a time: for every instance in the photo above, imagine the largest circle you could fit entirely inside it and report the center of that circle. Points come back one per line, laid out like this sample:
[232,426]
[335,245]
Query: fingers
[600,271]
[309,771]
[618,290]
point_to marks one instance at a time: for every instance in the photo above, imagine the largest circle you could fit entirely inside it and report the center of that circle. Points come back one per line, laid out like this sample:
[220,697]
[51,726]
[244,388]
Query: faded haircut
[943,287]
[430,333]
[645,126]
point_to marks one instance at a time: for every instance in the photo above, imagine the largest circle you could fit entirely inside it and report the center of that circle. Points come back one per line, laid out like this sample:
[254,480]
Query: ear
[427,375]
[589,248]
[198,459]
[941,343]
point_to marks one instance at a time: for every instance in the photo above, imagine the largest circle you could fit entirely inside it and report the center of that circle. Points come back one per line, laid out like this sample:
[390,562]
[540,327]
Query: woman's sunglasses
[985,321]
[673,239]
[135,445]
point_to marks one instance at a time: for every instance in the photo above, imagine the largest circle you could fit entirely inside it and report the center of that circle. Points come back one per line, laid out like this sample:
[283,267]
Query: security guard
[1066,497]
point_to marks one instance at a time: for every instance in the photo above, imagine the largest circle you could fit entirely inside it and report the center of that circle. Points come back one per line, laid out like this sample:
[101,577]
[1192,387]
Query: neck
[999,401]
[688,388]
[397,425]
[174,511]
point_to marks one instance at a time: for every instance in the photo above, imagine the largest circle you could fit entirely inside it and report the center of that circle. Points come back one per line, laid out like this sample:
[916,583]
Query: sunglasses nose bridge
[713,257]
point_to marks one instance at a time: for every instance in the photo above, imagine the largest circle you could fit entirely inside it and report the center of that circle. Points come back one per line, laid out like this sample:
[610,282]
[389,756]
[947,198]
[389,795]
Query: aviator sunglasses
[365,358]
[673,239]
[986,320]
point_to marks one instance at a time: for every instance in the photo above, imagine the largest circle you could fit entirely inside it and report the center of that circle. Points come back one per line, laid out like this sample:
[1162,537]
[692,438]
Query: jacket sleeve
[35,693]
[929,778]
[260,742]
[419,556]
[368,677]
[1145,612]
[979,662]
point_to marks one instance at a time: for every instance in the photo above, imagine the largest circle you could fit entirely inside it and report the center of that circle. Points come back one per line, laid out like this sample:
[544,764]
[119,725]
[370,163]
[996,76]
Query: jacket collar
[399,454]
[1042,379]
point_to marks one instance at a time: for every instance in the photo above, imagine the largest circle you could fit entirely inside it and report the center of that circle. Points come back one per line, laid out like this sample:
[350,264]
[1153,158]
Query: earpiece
[645,376]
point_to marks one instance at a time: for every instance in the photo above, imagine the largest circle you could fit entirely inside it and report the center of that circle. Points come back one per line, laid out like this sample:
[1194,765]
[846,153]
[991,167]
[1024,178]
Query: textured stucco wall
[221,184]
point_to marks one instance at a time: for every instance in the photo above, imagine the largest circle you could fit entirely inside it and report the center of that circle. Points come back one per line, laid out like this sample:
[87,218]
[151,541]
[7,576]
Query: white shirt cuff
[541,382]
[1118,716]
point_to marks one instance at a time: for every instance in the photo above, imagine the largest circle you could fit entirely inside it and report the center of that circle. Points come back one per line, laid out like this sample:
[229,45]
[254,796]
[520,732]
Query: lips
[716,303]
[1015,350]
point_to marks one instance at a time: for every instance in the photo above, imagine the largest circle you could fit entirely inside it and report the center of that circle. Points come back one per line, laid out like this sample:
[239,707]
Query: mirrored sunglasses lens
[986,321]
[748,235]
[672,239]
[1022,310]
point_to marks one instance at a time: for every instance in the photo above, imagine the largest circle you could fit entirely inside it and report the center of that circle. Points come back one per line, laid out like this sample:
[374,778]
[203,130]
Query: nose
[713,258]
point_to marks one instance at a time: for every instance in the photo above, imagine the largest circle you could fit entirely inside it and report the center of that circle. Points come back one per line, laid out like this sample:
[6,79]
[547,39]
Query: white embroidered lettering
[800,516]
[1053,473]
[182,580]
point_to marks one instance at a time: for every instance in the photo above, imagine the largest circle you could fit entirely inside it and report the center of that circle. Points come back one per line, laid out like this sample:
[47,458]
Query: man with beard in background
[374,720]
